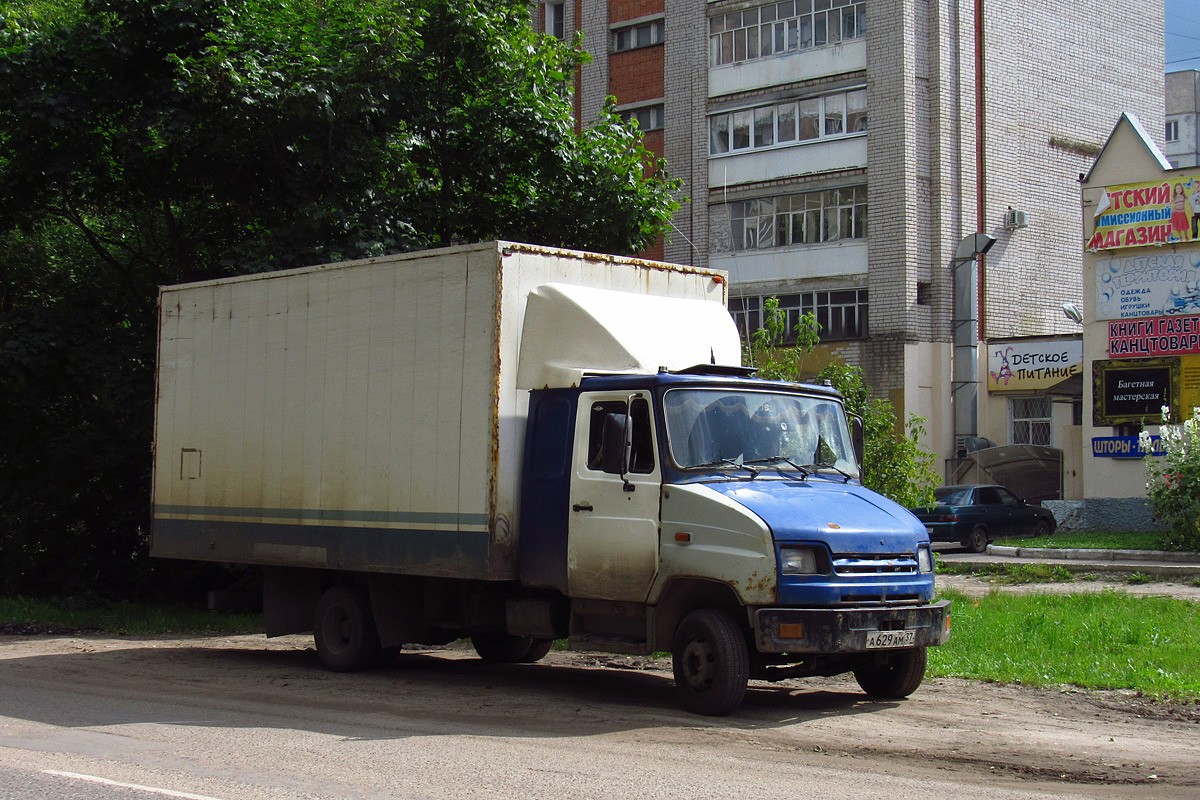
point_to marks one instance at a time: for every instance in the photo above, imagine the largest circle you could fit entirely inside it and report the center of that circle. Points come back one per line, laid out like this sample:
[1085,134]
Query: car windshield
[952,495]
[774,430]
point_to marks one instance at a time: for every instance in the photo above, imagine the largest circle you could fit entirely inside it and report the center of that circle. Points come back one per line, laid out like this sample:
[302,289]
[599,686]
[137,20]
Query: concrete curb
[1095,555]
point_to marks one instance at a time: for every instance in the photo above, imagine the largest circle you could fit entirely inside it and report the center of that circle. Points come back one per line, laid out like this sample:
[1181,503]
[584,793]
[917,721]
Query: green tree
[148,142]
[894,463]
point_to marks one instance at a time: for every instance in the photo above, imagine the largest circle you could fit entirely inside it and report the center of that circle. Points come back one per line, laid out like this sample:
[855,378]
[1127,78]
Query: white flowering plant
[1173,480]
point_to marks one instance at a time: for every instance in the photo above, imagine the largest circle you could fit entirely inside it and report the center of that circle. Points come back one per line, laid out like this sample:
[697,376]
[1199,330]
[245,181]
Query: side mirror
[858,437]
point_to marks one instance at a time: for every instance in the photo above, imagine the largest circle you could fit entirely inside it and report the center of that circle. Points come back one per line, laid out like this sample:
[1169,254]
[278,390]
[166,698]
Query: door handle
[582,507]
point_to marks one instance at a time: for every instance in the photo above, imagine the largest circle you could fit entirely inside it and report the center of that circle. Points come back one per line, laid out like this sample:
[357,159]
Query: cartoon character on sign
[1183,300]
[1005,372]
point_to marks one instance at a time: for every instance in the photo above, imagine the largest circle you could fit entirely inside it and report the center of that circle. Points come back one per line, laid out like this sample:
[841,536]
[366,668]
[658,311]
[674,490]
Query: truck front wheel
[894,675]
[711,662]
[344,629]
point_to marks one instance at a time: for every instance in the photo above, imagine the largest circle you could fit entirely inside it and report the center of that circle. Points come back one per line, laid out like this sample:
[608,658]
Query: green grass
[1009,573]
[20,615]
[1091,540]
[1094,640]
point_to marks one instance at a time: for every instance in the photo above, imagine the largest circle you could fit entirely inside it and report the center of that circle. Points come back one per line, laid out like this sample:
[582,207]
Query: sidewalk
[1165,565]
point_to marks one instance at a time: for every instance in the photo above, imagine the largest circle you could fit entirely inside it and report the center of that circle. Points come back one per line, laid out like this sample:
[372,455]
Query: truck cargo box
[367,415]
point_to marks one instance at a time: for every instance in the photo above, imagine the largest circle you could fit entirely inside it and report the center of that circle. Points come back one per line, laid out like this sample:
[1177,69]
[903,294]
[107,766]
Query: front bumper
[844,630]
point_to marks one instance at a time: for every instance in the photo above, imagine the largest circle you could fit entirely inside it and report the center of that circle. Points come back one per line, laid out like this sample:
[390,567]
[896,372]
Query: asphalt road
[244,717]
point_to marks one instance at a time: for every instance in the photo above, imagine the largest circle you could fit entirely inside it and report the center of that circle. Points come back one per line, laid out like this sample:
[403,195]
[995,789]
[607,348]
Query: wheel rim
[699,663]
[338,630]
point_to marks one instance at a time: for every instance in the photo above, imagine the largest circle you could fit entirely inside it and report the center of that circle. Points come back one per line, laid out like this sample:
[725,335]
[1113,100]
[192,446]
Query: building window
[648,118]
[642,35]
[786,27]
[1030,420]
[555,20]
[829,215]
[791,122]
[1173,130]
[841,313]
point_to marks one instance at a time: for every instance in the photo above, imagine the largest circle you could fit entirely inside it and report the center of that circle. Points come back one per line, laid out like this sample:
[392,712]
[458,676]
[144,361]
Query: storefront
[1141,285]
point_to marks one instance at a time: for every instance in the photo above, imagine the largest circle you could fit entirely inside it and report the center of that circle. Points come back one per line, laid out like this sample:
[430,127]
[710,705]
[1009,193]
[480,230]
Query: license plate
[879,639]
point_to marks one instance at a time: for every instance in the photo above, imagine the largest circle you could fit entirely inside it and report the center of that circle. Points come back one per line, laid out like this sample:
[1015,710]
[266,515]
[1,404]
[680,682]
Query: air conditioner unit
[1014,219]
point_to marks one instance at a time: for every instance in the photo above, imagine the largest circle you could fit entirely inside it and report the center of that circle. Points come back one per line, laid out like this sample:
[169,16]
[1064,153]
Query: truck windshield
[720,427]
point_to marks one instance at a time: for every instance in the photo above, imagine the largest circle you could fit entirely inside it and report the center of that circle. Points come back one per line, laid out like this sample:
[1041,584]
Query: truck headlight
[924,559]
[798,561]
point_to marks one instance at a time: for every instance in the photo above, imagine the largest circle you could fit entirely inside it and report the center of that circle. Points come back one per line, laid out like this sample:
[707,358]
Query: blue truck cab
[721,518]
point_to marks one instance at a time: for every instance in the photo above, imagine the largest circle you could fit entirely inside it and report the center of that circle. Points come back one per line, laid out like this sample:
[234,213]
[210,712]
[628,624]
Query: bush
[1173,480]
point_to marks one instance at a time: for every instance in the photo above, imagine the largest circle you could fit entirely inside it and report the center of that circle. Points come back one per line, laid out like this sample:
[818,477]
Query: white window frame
[784,27]
[642,34]
[654,116]
[804,218]
[783,124]
[556,15]
[842,313]
[1172,130]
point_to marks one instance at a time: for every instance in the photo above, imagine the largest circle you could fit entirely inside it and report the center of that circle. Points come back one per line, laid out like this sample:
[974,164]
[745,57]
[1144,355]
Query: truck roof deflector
[618,333]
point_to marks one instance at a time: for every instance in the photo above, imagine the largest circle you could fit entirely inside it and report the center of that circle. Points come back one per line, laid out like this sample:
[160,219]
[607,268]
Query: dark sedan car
[974,515]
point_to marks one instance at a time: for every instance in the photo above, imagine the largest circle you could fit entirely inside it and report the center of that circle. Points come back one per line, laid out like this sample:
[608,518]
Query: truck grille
[903,564]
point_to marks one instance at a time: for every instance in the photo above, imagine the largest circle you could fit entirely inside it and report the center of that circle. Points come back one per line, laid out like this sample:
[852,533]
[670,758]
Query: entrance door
[612,538]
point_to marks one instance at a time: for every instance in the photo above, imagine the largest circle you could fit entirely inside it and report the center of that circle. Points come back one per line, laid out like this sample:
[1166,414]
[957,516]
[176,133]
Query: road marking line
[107,782]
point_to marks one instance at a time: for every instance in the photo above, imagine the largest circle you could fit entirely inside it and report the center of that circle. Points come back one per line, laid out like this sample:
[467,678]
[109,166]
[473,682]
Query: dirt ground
[223,698]
[985,740]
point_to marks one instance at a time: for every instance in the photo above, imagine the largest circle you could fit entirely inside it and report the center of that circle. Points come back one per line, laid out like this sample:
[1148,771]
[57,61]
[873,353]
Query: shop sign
[1148,286]
[1133,391]
[1157,336]
[1125,447]
[1142,214]
[1032,365]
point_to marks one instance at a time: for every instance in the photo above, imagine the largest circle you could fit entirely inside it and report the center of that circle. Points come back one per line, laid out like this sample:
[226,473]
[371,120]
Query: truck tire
[344,629]
[711,661]
[977,541]
[500,648]
[893,675]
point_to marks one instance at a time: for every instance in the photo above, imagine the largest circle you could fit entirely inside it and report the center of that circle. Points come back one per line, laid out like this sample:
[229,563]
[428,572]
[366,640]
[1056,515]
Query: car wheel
[977,542]
[1042,529]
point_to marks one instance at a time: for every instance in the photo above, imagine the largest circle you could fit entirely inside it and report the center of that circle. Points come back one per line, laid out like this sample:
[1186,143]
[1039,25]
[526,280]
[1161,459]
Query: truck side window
[596,430]
[641,458]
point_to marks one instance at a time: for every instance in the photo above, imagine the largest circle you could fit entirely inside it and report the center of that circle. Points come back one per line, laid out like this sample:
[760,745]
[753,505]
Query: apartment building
[1183,118]
[836,153]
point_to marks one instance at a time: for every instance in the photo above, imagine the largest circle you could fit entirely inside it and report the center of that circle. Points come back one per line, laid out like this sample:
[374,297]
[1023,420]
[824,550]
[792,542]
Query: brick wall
[636,75]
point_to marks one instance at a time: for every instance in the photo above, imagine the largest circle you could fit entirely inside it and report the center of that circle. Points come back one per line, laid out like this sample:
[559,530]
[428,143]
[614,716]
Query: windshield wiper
[804,471]
[816,468]
[727,461]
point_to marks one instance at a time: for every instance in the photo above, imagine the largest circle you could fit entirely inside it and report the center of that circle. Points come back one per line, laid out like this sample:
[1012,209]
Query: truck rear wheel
[344,629]
[500,648]
[893,675]
[711,662]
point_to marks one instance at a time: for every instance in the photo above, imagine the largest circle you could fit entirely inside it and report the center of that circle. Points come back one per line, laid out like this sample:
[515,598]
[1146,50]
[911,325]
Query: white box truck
[518,444]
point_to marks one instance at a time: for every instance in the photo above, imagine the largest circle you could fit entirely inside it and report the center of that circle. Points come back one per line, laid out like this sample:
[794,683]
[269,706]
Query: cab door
[612,535]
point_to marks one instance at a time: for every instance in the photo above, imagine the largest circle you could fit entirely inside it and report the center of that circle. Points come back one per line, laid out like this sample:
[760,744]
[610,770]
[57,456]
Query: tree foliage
[149,142]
